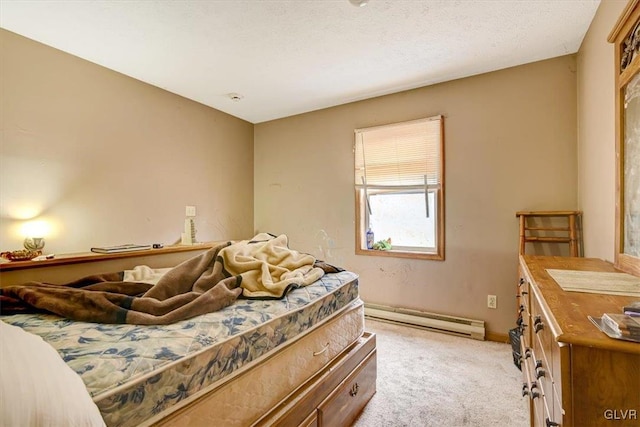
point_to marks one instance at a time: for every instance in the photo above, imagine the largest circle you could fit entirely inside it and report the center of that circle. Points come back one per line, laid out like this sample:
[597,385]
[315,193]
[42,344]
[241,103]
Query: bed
[304,359]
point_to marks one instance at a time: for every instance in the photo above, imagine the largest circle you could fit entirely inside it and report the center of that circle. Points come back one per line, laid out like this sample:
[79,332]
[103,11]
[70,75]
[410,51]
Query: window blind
[399,155]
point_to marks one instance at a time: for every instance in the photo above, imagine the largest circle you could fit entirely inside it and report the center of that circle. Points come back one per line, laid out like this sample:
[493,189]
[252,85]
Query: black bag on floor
[514,337]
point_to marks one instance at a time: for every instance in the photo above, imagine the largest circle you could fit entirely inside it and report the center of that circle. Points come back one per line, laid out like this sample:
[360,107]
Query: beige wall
[107,159]
[510,145]
[596,132]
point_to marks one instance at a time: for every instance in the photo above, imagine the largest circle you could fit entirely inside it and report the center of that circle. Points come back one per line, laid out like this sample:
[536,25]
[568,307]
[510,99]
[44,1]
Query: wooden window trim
[439,254]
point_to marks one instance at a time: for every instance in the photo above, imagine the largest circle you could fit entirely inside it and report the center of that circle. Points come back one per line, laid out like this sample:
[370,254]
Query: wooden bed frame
[333,397]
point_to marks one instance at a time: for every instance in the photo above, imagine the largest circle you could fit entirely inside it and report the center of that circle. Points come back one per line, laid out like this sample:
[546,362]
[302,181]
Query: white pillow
[145,274]
[37,388]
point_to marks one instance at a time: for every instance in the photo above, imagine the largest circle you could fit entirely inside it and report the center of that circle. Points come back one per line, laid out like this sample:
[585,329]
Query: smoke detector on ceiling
[235,97]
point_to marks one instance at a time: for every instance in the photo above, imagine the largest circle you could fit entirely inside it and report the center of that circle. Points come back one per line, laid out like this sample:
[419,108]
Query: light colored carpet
[433,379]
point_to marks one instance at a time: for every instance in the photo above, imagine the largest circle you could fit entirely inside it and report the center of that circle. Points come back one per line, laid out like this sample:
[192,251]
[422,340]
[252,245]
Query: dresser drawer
[524,315]
[541,336]
[344,404]
[311,420]
[590,379]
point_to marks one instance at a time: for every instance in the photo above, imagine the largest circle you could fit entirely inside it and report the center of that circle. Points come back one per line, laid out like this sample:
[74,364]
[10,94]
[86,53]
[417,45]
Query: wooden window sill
[400,254]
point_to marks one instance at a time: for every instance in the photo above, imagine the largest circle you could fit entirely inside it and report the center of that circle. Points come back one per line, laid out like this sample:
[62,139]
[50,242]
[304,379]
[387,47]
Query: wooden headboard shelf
[78,258]
[65,268]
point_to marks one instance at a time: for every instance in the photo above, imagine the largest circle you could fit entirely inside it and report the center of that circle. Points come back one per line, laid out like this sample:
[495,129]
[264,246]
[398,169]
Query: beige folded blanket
[268,268]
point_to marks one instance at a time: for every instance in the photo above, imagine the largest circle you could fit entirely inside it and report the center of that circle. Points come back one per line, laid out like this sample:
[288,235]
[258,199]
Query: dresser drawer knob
[521,282]
[527,353]
[551,423]
[539,373]
[525,389]
[354,389]
[534,390]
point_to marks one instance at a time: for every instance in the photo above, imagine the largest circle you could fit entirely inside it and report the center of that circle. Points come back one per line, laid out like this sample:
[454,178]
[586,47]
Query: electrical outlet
[492,301]
[190,211]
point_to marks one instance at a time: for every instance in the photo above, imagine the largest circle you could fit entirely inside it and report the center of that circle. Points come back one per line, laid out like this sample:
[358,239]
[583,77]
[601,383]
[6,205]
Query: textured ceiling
[286,57]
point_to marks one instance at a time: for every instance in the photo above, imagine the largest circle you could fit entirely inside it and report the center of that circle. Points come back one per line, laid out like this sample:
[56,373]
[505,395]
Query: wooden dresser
[573,374]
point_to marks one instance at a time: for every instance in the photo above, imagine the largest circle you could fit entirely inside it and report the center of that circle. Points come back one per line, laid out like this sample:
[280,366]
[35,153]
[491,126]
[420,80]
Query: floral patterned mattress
[134,372]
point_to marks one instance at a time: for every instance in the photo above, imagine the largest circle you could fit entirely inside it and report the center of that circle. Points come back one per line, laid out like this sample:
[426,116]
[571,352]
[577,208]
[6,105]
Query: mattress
[136,372]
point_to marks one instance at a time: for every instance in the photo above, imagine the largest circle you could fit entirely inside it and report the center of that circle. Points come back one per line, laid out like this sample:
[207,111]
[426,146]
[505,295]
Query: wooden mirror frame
[626,38]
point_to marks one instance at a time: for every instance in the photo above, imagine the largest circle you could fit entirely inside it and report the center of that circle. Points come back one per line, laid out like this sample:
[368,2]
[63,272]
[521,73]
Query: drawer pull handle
[527,353]
[521,282]
[354,389]
[550,423]
[525,389]
[533,392]
[539,327]
[539,371]
[318,353]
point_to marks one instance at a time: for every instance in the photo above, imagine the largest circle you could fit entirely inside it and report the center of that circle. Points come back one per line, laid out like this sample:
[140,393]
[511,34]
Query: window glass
[402,217]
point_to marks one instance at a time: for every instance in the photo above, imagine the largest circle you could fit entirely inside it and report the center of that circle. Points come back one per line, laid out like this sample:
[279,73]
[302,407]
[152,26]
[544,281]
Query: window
[399,171]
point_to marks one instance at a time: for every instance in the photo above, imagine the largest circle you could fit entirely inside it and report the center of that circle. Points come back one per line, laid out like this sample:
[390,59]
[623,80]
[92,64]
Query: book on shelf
[129,247]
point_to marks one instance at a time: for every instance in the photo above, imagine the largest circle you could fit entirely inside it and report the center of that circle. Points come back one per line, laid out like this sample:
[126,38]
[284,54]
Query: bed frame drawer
[345,403]
[301,405]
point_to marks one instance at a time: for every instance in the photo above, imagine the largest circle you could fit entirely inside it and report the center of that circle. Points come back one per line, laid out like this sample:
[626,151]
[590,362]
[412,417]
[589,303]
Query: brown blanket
[197,286]
[203,284]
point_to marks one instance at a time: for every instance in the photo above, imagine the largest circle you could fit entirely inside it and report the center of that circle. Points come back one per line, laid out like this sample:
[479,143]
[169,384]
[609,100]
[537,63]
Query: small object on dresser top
[129,247]
[632,309]
[622,324]
[158,246]
[612,329]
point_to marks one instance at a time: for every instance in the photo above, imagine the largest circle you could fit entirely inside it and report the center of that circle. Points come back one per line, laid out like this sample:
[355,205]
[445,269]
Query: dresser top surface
[568,311]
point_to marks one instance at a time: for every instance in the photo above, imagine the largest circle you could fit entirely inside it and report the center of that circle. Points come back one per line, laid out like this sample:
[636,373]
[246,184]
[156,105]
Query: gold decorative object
[20,255]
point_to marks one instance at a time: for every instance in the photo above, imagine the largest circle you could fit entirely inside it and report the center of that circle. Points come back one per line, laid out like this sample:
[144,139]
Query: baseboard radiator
[436,322]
